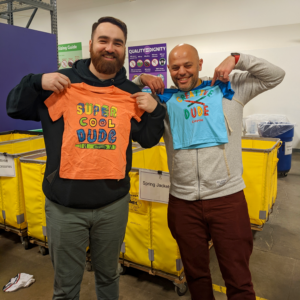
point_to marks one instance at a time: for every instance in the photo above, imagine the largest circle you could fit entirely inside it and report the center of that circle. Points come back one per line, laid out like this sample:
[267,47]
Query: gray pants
[70,231]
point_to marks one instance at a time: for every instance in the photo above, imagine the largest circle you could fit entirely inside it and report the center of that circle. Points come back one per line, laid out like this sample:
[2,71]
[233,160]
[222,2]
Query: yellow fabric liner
[12,199]
[260,176]
[11,188]
[166,250]
[147,227]
[137,238]
[33,175]
[23,146]
[13,136]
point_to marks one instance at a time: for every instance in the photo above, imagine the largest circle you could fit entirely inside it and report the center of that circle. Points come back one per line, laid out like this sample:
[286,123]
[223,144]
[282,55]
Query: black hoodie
[26,102]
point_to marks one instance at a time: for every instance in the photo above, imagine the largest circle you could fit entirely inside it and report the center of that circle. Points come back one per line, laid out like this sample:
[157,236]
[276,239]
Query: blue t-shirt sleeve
[167,95]
[226,89]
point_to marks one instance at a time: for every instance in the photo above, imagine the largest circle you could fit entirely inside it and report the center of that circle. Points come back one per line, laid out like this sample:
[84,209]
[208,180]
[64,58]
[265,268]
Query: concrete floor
[275,262]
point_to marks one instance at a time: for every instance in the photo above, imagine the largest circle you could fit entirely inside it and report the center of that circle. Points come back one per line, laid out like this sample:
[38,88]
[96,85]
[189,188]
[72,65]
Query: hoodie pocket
[184,172]
[51,178]
[214,167]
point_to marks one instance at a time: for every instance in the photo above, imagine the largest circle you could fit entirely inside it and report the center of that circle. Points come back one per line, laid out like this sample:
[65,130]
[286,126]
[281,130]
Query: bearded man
[88,212]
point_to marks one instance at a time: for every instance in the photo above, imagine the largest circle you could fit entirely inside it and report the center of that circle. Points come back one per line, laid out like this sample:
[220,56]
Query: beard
[107,67]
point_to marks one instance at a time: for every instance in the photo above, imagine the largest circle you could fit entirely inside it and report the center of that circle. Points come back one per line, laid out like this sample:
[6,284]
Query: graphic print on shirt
[102,120]
[199,108]
[196,117]
[96,119]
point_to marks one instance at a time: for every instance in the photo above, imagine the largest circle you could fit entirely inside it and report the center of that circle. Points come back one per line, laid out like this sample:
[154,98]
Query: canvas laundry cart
[33,170]
[17,134]
[12,205]
[260,176]
[148,244]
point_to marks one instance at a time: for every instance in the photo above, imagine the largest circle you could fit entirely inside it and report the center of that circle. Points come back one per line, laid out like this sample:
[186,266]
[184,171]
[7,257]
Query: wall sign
[68,54]
[149,59]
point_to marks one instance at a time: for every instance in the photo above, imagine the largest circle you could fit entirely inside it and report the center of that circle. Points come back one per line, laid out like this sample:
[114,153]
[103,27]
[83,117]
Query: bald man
[206,198]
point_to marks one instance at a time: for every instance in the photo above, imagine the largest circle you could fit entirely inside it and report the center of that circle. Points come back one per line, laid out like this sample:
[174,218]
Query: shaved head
[184,66]
[182,50]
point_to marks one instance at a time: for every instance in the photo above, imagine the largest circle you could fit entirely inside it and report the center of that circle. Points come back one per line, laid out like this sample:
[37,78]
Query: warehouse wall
[268,29]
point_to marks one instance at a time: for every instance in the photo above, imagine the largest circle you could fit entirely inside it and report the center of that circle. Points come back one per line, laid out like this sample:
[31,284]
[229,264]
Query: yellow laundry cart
[17,134]
[13,215]
[148,243]
[166,256]
[33,170]
[137,241]
[260,176]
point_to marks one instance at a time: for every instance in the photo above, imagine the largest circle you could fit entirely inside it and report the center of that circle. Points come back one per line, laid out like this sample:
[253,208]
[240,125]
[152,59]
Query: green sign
[68,54]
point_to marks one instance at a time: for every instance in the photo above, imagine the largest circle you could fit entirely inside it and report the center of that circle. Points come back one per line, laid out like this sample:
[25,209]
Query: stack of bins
[13,216]
[33,170]
[148,241]
[260,176]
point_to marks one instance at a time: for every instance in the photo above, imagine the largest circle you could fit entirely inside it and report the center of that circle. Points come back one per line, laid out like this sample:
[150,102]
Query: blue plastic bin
[285,158]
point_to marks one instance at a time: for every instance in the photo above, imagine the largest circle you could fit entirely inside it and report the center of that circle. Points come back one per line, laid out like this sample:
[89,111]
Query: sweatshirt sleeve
[137,81]
[149,131]
[22,101]
[259,76]
[151,128]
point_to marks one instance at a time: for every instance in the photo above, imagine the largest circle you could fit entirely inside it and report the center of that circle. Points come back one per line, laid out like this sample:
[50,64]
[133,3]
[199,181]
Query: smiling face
[107,48]
[184,66]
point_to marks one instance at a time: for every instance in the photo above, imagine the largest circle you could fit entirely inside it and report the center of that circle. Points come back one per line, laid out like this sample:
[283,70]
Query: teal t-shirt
[196,117]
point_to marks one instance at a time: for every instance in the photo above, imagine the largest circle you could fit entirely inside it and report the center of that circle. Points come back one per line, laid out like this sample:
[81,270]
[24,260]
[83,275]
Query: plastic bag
[273,129]
[266,125]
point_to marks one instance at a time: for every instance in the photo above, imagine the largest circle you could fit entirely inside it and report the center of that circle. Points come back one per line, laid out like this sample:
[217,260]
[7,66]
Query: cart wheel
[181,289]
[122,270]
[285,174]
[43,250]
[89,266]
[25,243]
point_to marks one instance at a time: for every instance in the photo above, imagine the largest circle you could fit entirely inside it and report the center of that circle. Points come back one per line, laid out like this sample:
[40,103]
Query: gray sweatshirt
[213,172]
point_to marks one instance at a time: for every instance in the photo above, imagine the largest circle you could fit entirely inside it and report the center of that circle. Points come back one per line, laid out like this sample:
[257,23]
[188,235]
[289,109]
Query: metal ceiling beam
[7,1]
[38,4]
[10,20]
[16,10]
[31,17]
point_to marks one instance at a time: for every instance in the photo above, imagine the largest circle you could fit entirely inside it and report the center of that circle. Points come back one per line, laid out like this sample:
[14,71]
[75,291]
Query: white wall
[265,28]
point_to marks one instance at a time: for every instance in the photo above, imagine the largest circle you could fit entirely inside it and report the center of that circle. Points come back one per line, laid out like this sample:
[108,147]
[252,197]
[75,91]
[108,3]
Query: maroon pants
[225,220]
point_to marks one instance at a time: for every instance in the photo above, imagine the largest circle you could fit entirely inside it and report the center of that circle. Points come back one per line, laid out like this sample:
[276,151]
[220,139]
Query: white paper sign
[154,187]
[7,166]
[288,148]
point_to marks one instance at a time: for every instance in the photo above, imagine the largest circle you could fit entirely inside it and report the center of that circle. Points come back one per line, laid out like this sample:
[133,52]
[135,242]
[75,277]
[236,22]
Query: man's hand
[55,82]
[223,70]
[145,101]
[155,83]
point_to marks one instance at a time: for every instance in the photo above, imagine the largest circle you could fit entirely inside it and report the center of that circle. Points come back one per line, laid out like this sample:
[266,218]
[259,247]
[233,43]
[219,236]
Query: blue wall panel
[22,51]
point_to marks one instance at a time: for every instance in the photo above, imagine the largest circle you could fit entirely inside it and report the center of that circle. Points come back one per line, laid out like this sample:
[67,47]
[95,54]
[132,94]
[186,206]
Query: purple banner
[149,59]
[23,51]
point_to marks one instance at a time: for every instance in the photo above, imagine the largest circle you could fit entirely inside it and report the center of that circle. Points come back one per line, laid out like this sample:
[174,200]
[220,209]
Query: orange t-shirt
[97,130]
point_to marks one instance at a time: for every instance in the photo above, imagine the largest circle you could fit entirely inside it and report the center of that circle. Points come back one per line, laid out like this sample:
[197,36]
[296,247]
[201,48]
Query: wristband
[236,57]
